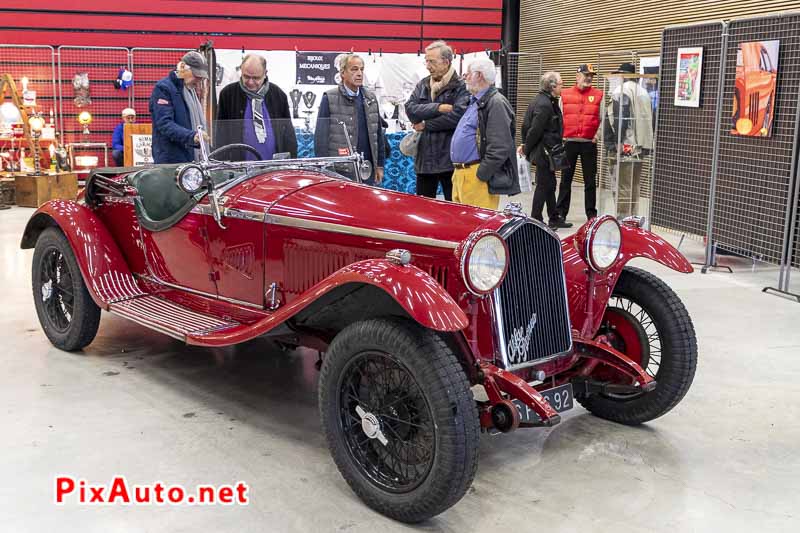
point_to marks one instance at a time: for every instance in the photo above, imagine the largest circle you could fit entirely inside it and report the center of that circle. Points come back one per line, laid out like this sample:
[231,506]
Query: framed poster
[754,88]
[687,76]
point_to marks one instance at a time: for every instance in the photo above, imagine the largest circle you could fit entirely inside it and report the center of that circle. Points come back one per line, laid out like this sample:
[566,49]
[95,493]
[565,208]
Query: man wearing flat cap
[176,111]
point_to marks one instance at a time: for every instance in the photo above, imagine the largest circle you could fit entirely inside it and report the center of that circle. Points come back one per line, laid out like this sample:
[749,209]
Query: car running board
[169,318]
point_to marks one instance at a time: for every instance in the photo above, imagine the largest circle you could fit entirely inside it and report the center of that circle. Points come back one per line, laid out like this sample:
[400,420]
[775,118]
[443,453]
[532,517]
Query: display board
[685,135]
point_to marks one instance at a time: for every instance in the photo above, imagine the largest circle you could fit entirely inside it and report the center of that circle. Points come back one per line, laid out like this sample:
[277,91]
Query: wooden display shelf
[33,191]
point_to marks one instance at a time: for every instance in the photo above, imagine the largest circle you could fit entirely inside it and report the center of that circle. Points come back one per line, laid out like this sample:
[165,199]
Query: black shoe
[555,224]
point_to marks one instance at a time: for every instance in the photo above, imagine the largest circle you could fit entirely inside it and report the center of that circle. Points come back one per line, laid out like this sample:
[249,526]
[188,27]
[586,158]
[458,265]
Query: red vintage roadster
[411,303]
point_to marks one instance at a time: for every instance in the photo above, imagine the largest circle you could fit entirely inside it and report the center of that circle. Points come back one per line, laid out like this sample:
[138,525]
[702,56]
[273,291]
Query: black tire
[67,313]
[671,355]
[435,415]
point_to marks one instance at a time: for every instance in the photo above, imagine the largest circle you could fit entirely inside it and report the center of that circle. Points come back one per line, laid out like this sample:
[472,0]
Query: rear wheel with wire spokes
[647,321]
[399,417]
[67,313]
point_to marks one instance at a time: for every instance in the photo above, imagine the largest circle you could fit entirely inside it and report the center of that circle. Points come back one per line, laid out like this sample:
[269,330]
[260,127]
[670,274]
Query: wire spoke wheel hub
[56,289]
[387,422]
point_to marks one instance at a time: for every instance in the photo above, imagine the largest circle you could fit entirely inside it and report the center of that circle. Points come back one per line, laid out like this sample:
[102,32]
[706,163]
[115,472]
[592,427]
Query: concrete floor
[139,404]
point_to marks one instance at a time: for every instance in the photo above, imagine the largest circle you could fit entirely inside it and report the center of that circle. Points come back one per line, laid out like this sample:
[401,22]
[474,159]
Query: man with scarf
[176,111]
[435,107]
[255,112]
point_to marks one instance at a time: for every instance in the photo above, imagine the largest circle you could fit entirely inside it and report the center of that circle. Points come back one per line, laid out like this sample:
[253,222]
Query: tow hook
[505,416]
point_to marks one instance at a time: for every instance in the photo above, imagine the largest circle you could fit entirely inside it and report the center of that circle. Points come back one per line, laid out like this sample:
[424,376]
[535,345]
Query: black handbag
[557,156]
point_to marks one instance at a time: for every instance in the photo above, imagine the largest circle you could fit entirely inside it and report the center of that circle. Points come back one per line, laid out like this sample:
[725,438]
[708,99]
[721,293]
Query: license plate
[559,398]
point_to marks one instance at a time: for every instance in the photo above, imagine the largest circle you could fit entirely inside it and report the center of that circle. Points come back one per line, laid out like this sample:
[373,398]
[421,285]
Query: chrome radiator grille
[531,303]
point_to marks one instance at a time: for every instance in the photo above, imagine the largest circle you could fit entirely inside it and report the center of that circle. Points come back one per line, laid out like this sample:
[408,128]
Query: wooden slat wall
[388,25]
[570,32]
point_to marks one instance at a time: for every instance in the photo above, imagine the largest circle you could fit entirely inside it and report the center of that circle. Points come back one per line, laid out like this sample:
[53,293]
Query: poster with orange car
[754,91]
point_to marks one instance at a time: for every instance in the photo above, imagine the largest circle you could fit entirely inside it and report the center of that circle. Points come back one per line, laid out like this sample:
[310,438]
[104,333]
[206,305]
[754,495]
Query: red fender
[104,269]
[636,242]
[415,290]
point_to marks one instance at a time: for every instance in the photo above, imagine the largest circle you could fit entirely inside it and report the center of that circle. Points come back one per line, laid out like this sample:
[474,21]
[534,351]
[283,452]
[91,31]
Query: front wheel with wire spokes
[647,321]
[399,417]
[67,313]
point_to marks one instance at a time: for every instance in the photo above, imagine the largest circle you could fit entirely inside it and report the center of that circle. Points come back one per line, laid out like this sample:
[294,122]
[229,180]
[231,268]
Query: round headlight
[485,263]
[603,243]
[190,178]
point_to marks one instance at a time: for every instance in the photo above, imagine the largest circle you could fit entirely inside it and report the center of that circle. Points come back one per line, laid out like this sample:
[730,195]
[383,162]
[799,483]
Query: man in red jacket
[581,106]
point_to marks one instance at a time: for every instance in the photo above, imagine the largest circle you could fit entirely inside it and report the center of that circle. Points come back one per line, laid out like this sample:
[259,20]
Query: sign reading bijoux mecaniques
[316,68]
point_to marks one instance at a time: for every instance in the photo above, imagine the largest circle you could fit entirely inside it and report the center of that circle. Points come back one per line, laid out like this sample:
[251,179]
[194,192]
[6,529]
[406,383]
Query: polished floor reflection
[142,405]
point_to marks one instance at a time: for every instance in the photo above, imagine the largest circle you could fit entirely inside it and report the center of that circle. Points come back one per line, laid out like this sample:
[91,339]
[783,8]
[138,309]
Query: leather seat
[160,203]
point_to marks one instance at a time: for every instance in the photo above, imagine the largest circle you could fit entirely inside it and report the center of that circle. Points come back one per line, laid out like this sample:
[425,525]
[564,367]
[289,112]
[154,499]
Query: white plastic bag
[524,171]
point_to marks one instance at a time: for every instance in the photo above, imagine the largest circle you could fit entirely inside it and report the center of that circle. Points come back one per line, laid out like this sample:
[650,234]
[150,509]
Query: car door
[236,255]
[178,256]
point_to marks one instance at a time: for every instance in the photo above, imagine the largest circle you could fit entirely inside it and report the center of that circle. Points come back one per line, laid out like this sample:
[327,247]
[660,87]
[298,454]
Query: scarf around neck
[437,86]
[256,102]
[196,114]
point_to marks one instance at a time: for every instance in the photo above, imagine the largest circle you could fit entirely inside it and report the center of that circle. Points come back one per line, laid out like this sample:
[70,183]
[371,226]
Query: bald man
[255,112]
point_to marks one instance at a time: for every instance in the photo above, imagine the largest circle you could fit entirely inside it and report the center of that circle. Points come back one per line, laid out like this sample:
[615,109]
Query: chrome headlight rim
[590,240]
[181,173]
[469,248]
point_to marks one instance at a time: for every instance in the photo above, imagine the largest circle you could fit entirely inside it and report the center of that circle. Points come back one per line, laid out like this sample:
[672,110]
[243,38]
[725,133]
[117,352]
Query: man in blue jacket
[118,139]
[176,111]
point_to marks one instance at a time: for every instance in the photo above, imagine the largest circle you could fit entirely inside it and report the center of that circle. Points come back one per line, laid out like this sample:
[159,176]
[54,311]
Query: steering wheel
[235,146]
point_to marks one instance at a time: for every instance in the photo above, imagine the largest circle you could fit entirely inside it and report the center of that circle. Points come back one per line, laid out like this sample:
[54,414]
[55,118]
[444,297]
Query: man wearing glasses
[581,104]
[435,107]
[255,112]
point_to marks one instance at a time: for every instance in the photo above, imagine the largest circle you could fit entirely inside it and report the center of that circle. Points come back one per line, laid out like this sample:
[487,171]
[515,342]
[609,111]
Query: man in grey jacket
[350,103]
[482,149]
[435,107]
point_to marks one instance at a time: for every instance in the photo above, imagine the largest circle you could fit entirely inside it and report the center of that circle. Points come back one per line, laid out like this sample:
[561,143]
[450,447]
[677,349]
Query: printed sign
[316,68]
[142,149]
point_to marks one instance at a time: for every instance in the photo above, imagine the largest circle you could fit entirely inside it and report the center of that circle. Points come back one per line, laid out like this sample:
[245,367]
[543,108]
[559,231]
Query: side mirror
[364,169]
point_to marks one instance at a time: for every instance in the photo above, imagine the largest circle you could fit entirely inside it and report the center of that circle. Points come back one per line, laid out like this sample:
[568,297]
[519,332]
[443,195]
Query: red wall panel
[391,25]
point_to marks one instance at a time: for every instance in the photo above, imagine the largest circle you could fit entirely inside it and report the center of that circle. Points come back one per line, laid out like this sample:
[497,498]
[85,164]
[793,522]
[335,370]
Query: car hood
[327,202]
